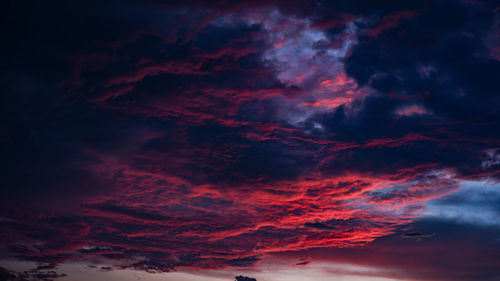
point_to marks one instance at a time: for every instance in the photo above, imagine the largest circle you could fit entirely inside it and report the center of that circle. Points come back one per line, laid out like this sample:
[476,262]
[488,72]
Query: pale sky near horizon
[320,271]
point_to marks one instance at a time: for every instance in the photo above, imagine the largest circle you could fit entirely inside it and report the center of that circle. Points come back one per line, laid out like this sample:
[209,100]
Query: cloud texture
[158,136]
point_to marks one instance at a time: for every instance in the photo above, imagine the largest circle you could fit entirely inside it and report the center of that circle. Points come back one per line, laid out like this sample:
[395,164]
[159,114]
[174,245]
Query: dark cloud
[303,262]
[320,226]
[244,278]
[31,275]
[7,275]
[248,261]
[416,235]
[433,79]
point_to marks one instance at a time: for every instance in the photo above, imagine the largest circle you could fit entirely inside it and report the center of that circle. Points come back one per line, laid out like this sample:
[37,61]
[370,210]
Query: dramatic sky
[251,140]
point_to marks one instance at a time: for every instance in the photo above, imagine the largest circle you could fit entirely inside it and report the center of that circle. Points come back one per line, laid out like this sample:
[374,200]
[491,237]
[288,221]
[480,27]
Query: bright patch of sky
[306,58]
[268,271]
[476,202]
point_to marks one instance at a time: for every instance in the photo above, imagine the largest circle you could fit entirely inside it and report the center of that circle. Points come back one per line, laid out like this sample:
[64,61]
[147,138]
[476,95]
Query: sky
[250,140]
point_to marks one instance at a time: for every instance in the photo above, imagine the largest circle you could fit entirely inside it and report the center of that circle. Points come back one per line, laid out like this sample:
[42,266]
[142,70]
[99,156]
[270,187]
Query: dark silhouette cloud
[244,278]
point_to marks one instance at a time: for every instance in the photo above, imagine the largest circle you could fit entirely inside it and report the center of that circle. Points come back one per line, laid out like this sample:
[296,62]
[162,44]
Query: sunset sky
[276,140]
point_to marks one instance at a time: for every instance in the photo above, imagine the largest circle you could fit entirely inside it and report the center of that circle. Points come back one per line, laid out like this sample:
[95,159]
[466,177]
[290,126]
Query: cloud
[152,136]
[32,275]
[416,235]
[319,226]
[244,278]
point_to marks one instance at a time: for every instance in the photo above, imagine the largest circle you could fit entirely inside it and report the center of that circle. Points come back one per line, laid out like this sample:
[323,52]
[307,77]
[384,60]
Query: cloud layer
[156,136]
